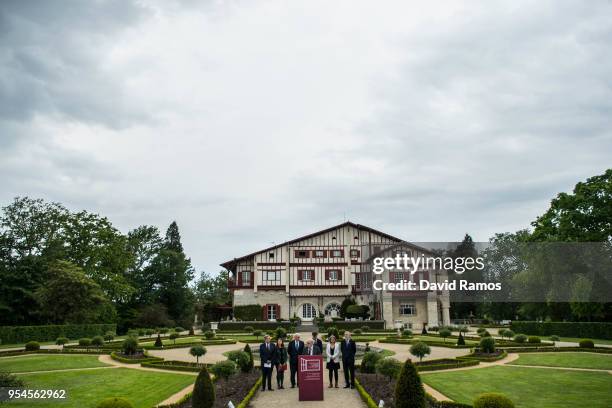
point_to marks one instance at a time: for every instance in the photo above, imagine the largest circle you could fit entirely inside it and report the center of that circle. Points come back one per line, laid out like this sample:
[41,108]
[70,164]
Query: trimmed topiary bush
[242,360]
[280,332]
[109,336]
[409,392]
[406,333]
[85,342]
[389,367]
[97,341]
[257,333]
[224,369]
[520,338]
[424,331]
[444,333]
[365,329]
[32,346]
[159,342]
[61,341]
[115,402]
[487,345]
[197,352]
[534,339]
[357,331]
[209,334]
[554,338]
[247,349]
[368,362]
[484,334]
[586,343]
[460,340]
[333,331]
[420,350]
[248,329]
[129,346]
[191,332]
[481,330]
[173,336]
[508,333]
[203,395]
[493,400]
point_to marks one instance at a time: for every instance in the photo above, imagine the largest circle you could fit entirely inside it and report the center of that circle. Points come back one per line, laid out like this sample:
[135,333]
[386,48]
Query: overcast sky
[256,122]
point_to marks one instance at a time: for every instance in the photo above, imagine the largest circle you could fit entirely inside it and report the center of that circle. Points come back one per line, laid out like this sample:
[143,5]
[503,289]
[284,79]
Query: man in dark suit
[267,351]
[311,349]
[295,348]
[348,349]
[317,341]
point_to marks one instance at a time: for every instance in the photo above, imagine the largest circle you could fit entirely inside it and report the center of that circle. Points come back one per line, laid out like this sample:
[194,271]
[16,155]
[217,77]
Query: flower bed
[139,357]
[372,388]
[486,357]
[239,388]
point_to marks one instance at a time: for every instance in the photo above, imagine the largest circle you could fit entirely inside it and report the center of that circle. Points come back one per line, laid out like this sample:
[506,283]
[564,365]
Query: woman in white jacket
[333,360]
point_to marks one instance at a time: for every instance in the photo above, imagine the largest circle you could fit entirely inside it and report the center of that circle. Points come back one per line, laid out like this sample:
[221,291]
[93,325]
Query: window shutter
[239,280]
[326,275]
[278,316]
[265,312]
[339,274]
[300,275]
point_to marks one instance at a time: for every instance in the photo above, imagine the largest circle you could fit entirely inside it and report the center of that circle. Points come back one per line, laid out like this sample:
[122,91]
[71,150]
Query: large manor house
[310,276]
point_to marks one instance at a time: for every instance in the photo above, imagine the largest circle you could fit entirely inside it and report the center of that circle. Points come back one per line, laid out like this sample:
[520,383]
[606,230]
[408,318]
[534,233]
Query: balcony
[232,284]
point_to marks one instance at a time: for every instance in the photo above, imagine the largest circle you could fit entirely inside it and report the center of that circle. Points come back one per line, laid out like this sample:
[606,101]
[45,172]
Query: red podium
[310,378]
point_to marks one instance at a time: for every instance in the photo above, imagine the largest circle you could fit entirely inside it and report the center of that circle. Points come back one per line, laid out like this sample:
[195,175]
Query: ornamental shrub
[444,332]
[32,346]
[247,349]
[129,346]
[224,369]
[114,402]
[484,334]
[420,350]
[60,341]
[333,331]
[173,336]
[197,352]
[460,340]
[534,339]
[487,345]
[502,332]
[367,348]
[554,338]
[508,333]
[149,332]
[368,362]
[248,329]
[97,341]
[141,332]
[365,329]
[209,334]
[424,331]
[407,333]
[109,336]
[85,342]
[242,360]
[481,330]
[203,395]
[357,331]
[493,400]
[158,341]
[9,380]
[256,333]
[191,332]
[179,329]
[164,330]
[586,343]
[132,333]
[520,338]
[389,367]
[409,392]
[23,334]
[280,332]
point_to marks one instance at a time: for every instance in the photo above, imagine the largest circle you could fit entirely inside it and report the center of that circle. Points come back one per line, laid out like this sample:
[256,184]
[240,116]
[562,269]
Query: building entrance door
[309,312]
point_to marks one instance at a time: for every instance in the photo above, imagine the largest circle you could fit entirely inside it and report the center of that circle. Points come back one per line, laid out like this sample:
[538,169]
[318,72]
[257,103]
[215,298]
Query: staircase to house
[307,327]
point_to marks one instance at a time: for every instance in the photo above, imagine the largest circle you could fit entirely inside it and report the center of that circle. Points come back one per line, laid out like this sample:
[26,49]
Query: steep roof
[228,264]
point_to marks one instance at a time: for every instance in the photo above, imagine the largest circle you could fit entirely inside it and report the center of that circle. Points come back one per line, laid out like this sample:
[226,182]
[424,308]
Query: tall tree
[173,238]
[465,303]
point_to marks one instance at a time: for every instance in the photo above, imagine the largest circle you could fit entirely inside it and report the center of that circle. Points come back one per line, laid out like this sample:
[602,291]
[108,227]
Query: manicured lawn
[527,387]
[45,362]
[566,359]
[86,388]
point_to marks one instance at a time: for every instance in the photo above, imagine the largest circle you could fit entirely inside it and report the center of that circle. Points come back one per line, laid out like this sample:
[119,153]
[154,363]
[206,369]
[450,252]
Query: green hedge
[174,365]
[365,396]
[349,325]
[248,312]
[247,399]
[261,325]
[434,403]
[12,353]
[602,350]
[448,344]
[446,366]
[23,334]
[594,330]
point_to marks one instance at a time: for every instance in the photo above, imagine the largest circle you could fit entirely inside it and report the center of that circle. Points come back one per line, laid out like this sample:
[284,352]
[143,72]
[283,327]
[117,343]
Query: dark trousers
[280,375]
[349,371]
[293,366]
[266,374]
[333,374]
